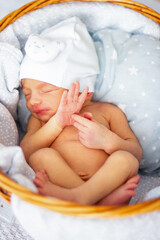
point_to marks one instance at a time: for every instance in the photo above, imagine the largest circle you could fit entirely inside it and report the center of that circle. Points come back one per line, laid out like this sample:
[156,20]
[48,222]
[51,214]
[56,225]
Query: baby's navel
[84,176]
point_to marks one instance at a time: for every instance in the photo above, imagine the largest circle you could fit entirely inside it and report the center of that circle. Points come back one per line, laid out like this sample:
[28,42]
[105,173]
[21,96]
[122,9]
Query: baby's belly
[84,161]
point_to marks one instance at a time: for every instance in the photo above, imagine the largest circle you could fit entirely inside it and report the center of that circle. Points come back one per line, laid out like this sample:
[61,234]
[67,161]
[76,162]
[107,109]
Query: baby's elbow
[24,148]
[23,145]
[139,153]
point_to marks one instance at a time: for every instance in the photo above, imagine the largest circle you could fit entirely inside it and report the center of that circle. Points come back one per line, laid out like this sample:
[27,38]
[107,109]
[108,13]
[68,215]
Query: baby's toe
[131,186]
[37,182]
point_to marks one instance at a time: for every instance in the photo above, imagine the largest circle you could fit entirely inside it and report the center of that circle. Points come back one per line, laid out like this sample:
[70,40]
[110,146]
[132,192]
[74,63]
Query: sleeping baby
[81,151]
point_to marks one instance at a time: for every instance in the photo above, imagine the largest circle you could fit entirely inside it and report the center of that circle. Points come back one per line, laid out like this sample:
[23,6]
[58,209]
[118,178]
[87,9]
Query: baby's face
[42,98]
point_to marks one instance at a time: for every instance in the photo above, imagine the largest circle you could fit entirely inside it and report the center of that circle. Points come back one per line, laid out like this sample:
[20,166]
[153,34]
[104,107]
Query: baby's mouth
[41,111]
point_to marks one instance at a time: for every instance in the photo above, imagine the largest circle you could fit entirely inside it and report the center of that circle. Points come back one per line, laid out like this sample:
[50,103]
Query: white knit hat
[60,55]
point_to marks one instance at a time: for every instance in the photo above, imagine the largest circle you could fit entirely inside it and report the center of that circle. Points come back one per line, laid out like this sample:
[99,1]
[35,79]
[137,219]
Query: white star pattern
[133,70]
[122,106]
[153,80]
[134,104]
[114,55]
[158,124]
[144,138]
[158,47]
[148,53]
[121,87]
[154,148]
[152,62]
[130,52]
[143,94]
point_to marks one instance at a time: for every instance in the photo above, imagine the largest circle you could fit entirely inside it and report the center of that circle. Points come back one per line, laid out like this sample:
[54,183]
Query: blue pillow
[130,79]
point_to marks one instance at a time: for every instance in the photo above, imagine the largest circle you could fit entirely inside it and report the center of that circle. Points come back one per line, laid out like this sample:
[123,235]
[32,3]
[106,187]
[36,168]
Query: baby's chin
[43,117]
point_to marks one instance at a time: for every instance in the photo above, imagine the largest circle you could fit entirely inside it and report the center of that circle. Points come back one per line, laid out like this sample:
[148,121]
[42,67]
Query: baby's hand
[91,133]
[70,103]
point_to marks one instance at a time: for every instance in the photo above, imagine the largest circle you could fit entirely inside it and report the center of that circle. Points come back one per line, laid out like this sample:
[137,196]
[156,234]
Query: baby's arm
[38,136]
[123,136]
[118,137]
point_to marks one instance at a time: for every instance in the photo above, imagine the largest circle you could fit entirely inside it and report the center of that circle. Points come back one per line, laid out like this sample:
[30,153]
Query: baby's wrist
[109,143]
[57,122]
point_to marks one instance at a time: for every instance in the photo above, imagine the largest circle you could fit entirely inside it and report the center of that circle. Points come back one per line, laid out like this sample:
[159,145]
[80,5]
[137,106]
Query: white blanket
[12,161]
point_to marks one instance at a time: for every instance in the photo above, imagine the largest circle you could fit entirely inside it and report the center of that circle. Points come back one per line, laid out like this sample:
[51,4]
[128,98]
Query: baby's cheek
[28,105]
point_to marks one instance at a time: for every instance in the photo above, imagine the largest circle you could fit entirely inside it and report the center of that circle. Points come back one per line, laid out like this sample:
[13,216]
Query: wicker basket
[7,186]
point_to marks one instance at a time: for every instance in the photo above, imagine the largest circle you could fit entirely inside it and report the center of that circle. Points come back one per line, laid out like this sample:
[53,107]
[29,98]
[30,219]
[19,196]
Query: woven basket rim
[36,4]
[74,209]
[8,186]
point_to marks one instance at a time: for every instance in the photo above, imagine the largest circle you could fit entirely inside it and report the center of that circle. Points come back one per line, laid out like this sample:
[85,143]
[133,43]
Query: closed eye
[46,91]
[26,92]
[27,95]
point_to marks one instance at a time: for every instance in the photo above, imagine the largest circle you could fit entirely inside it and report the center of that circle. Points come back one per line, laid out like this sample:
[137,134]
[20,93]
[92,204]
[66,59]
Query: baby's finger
[71,92]
[63,101]
[81,120]
[76,94]
[83,95]
[81,139]
[79,127]
[37,182]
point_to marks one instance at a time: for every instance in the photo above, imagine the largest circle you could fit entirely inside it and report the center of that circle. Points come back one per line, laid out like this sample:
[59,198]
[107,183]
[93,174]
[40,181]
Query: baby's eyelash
[27,95]
[46,91]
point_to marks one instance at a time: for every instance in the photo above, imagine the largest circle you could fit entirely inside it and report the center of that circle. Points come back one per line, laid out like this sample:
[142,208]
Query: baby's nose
[35,100]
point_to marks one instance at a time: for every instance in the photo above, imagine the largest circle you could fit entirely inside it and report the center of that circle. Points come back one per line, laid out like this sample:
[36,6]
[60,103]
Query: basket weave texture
[8,187]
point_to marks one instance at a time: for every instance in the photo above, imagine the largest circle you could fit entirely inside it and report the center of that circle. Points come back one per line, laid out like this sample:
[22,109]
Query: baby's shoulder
[103,106]
[108,110]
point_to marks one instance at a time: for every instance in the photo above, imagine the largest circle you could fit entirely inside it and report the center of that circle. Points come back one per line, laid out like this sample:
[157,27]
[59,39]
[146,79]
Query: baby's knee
[37,158]
[42,157]
[128,160]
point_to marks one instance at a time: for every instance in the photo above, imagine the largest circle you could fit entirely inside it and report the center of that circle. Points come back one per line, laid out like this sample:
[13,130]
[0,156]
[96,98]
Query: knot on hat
[43,50]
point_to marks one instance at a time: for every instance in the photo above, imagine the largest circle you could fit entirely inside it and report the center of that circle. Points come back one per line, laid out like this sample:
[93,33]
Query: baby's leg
[118,168]
[55,166]
[122,194]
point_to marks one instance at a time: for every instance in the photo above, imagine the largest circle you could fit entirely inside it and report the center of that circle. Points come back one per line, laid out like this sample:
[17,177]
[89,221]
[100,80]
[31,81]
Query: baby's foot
[47,188]
[123,194]
[44,185]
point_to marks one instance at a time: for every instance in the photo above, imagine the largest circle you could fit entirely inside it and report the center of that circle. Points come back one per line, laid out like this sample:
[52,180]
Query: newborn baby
[81,151]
